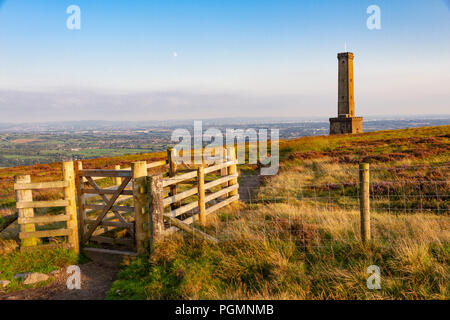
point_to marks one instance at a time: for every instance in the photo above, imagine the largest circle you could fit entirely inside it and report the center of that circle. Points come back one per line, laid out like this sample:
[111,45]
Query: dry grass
[307,246]
[396,187]
[300,239]
[293,251]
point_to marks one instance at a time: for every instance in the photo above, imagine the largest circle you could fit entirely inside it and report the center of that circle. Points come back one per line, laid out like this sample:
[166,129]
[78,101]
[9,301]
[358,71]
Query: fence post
[26,195]
[141,205]
[364,201]
[201,195]
[80,180]
[71,209]
[171,155]
[156,209]
[224,171]
[232,169]
[117,180]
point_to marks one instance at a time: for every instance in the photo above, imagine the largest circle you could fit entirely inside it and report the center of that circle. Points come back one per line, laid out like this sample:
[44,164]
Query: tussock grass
[300,238]
[307,246]
[293,251]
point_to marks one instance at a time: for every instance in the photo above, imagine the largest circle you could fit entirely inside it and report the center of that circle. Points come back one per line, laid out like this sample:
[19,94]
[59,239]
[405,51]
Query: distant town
[31,143]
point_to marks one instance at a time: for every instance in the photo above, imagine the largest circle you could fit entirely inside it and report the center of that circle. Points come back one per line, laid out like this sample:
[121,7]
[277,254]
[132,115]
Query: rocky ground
[96,279]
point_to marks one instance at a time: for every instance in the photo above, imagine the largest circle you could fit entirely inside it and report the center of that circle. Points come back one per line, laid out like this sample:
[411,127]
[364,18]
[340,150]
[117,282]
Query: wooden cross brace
[108,205]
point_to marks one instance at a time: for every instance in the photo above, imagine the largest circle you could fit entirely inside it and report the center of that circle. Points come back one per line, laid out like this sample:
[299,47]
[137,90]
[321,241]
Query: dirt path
[97,277]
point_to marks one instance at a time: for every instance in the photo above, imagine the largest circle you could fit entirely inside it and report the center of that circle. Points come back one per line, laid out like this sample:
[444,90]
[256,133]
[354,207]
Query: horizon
[165,61]
[381,117]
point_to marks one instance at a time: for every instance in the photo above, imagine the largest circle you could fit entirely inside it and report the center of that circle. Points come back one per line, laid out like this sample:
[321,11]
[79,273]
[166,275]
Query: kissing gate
[125,210]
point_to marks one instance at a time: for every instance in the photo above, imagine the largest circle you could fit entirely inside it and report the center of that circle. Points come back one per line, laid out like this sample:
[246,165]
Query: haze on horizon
[161,60]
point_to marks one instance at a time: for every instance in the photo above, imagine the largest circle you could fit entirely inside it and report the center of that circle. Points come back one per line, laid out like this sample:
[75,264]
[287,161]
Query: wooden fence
[208,198]
[127,207]
[139,208]
[177,201]
[30,238]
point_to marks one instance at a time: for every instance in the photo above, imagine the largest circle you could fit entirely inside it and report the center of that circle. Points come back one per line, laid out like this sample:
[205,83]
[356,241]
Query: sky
[187,59]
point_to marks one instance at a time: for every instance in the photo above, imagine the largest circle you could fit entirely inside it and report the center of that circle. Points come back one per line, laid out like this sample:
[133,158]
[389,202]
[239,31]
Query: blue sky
[233,58]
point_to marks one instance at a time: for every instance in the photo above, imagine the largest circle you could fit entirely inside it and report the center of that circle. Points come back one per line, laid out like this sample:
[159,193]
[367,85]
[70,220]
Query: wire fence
[403,200]
[405,189]
[391,197]
[394,192]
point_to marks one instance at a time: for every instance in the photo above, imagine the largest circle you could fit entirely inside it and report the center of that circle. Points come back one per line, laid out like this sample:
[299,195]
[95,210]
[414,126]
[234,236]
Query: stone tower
[346,122]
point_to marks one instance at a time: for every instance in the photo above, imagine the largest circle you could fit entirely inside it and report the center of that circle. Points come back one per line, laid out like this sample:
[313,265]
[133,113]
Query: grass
[285,251]
[42,261]
[306,245]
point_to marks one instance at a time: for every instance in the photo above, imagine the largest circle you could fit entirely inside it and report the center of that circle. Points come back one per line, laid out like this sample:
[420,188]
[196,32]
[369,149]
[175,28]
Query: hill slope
[298,238]
[297,234]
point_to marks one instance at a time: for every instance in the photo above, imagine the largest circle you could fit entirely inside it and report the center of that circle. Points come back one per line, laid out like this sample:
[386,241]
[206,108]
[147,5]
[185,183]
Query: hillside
[408,146]
[297,234]
[298,238]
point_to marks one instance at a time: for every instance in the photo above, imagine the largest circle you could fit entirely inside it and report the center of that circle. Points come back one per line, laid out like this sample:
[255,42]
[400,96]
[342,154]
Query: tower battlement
[349,55]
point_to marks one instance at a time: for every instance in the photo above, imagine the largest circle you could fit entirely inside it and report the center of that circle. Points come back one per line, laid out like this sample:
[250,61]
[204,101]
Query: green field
[18,149]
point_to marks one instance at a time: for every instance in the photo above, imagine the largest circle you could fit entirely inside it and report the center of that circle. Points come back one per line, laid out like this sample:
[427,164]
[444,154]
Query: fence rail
[148,207]
[30,238]
[196,209]
[134,208]
[141,204]
[138,203]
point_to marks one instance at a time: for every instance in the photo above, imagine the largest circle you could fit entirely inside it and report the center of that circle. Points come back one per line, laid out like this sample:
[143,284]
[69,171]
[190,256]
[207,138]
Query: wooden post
[156,209]
[80,198]
[232,169]
[71,209]
[26,195]
[224,171]
[189,229]
[364,201]
[117,180]
[141,205]
[201,195]
[171,156]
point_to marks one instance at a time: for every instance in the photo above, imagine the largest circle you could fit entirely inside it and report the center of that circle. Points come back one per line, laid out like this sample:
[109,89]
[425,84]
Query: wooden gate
[109,206]
[105,213]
